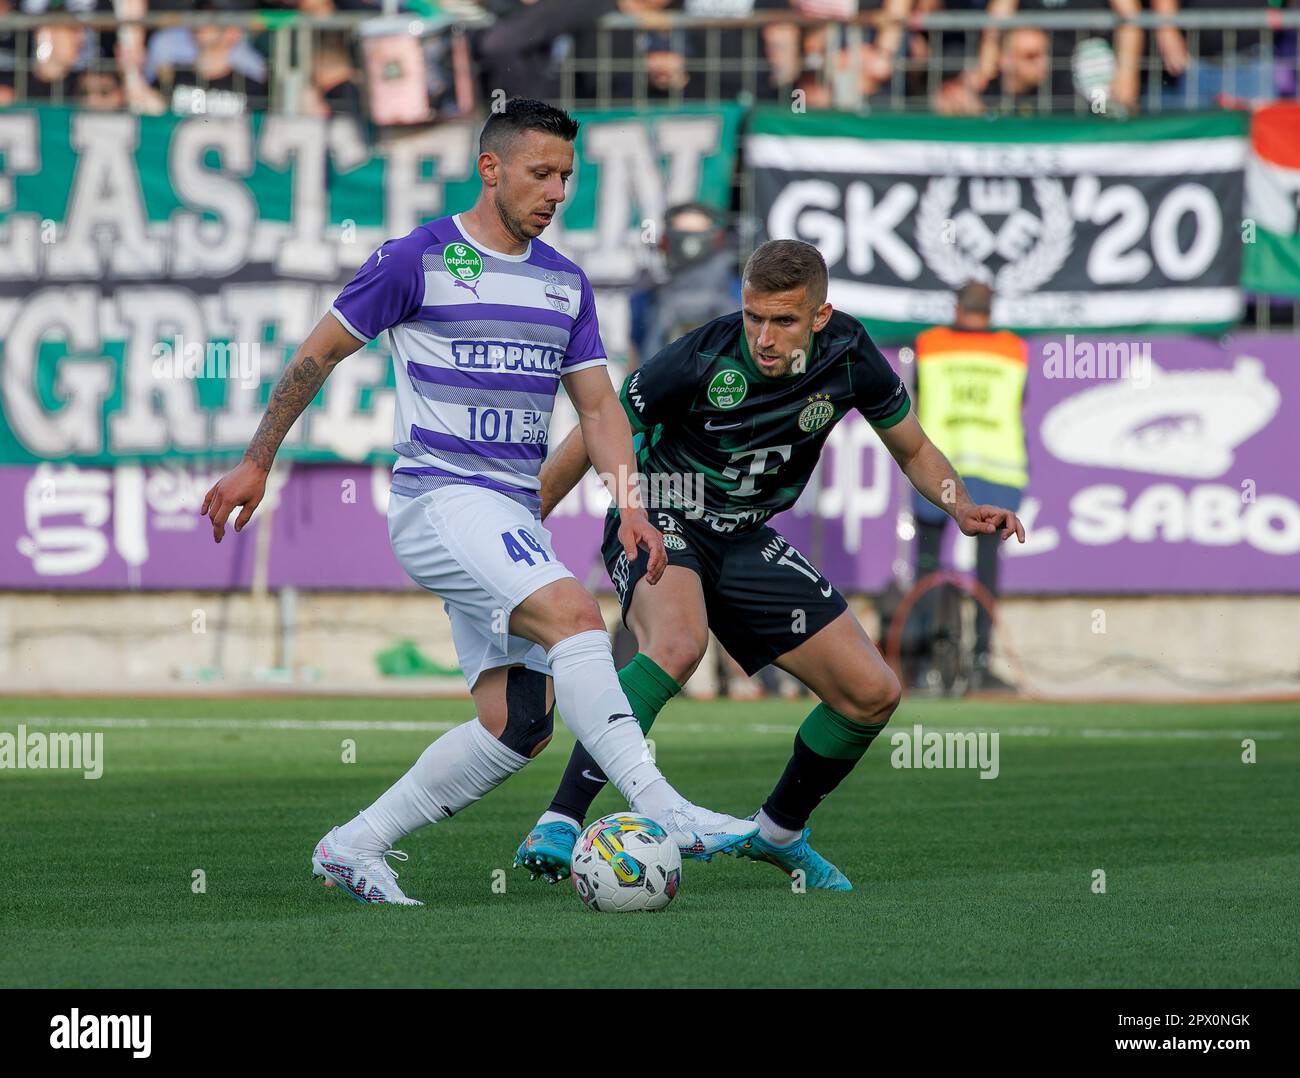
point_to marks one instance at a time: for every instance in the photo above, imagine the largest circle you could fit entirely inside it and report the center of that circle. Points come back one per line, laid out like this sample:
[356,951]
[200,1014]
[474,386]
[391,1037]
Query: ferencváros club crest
[996,238]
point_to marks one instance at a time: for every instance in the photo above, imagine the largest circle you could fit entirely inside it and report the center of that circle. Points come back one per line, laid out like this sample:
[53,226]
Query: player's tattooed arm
[245,484]
[563,470]
[299,383]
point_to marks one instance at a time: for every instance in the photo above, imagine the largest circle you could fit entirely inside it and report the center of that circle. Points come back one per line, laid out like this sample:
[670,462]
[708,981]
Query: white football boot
[699,833]
[365,875]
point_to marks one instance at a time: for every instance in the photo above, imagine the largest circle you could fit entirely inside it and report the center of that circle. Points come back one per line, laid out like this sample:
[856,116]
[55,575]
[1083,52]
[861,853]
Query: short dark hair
[521,114]
[976,297]
[781,265]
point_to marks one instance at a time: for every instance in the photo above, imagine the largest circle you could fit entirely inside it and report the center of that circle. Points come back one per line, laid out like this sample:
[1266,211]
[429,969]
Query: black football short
[762,596]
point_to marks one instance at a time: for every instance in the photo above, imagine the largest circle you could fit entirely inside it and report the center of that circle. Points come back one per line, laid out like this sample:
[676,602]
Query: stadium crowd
[470,50]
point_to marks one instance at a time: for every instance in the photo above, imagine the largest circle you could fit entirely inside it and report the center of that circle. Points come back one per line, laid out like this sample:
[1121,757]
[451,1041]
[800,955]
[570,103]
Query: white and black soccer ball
[624,863]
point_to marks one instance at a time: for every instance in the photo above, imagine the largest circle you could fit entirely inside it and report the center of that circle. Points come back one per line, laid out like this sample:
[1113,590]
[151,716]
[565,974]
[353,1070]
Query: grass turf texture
[959,881]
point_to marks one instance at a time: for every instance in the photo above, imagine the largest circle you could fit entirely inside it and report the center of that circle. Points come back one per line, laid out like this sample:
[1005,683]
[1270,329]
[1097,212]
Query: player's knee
[529,722]
[678,654]
[581,615]
[871,701]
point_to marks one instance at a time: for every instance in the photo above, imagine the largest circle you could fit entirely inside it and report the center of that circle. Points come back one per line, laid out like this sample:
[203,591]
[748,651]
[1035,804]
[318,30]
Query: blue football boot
[547,851]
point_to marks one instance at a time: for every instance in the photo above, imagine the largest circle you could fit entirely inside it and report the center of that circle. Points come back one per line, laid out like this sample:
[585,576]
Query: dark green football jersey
[719,436]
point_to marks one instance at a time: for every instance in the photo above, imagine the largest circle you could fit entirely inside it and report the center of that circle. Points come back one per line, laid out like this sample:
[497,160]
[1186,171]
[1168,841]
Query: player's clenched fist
[245,485]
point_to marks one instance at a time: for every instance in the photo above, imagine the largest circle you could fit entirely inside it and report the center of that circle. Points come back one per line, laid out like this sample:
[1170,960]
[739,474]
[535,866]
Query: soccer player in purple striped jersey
[484,322]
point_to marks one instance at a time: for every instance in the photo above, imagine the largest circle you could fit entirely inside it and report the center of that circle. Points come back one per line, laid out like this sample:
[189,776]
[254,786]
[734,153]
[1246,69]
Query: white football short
[482,554]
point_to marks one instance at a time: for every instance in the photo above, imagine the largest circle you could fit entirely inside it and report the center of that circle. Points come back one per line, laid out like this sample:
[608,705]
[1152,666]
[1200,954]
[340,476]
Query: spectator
[211,70]
[970,386]
[8,58]
[1024,82]
[954,46]
[176,49]
[101,91]
[56,55]
[648,62]
[776,51]
[830,73]
[1231,68]
[665,65]
[696,281]
[1065,48]
[335,86]
[520,55]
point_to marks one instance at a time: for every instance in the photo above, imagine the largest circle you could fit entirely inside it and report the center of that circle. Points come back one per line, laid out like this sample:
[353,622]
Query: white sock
[357,834]
[587,695]
[452,773]
[771,832]
[558,817]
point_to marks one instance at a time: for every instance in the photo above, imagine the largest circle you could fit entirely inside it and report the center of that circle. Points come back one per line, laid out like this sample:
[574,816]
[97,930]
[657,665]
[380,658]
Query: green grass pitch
[959,881]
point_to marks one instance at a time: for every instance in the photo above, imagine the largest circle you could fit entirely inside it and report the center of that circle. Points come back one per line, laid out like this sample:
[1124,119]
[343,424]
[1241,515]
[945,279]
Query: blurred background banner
[158,271]
[1273,201]
[1077,224]
[1166,465]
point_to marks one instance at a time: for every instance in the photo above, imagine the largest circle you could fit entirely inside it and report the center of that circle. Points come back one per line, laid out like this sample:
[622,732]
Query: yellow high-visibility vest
[970,388]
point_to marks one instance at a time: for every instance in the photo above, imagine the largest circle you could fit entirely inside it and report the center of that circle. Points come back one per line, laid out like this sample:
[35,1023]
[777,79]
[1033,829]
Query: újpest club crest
[462,261]
[556,296]
[816,413]
[727,389]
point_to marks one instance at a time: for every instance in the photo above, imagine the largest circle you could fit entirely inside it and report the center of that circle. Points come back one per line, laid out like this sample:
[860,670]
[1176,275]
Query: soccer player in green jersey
[732,418]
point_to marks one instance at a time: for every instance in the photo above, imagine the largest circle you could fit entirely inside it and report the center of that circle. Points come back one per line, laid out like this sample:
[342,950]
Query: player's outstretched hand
[986,519]
[635,530]
[245,485]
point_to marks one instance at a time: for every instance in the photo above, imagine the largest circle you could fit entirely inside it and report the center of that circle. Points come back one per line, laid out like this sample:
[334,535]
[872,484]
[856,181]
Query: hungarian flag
[1272,262]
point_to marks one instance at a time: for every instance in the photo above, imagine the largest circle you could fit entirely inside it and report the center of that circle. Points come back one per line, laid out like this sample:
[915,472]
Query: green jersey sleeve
[878,392]
[660,390]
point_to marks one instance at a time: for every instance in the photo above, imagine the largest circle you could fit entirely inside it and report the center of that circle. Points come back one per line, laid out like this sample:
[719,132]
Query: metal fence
[868,63]
[875,63]
[1077,62]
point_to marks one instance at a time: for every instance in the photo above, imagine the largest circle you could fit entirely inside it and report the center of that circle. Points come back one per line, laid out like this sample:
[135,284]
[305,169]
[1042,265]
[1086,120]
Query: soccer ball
[624,863]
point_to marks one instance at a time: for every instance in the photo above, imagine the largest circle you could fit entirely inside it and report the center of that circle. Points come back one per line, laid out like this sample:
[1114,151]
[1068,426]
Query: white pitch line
[1009,731]
[433,726]
[233,724]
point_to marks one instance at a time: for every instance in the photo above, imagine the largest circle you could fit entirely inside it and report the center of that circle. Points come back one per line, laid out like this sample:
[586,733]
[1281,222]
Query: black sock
[576,792]
[807,779]
[648,688]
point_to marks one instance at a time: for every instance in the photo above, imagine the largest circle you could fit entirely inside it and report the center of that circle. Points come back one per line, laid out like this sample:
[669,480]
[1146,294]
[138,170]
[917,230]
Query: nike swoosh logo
[710,425]
[826,592]
[593,778]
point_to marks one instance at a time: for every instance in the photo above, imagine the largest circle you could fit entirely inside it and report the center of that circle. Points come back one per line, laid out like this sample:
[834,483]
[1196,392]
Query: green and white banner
[157,272]
[1078,224]
[1273,202]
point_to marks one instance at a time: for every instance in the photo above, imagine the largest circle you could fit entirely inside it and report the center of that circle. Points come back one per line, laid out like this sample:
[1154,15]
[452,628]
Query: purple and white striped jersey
[479,341]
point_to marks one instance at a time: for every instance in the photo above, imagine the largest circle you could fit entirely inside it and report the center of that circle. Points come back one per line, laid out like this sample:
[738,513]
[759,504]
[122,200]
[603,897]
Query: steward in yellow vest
[970,389]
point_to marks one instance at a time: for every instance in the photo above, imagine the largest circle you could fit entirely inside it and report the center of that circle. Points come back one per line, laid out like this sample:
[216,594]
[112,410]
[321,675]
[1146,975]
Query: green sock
[647,688]
[826,748]
[828,733]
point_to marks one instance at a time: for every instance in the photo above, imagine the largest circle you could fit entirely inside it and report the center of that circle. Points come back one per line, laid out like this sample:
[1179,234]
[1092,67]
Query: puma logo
[380,255]
[472,287]
[615,718]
